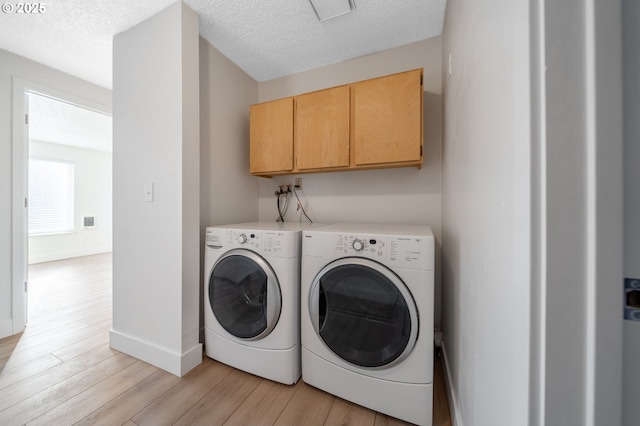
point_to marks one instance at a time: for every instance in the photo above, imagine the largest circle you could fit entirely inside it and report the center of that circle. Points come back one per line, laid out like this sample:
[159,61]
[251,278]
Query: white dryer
[251,297]
[367,296]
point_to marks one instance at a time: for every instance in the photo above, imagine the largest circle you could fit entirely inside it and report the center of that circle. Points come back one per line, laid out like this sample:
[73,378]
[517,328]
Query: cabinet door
[388,119]
[271,133]
[322,129]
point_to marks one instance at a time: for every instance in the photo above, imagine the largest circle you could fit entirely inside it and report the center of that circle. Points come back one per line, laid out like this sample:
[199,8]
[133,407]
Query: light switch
[148,191]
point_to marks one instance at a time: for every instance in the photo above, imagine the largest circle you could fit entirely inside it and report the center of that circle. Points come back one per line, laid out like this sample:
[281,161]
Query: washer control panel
[265,242]
[214,238]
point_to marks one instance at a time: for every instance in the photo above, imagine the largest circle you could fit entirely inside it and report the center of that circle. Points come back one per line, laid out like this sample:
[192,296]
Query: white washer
[251,297]
[367,316]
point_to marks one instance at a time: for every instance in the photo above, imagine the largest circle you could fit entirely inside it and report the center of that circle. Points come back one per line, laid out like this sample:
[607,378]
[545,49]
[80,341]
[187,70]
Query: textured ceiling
[74,36]
[62,123]
[270,39]
[267,39]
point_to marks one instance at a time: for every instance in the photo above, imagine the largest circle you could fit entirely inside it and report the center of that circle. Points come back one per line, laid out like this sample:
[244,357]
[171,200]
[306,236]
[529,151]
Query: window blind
[51,196]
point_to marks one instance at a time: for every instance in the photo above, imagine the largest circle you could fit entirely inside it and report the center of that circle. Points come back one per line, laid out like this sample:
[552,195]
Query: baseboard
[50,257]
[454,404]
[174,363]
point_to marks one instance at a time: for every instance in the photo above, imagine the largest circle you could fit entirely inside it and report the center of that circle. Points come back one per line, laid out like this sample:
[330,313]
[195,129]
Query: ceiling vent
[327,9]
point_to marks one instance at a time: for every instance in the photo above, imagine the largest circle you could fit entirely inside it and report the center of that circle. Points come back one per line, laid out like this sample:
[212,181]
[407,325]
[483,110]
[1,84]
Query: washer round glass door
[363,312]
[244,294]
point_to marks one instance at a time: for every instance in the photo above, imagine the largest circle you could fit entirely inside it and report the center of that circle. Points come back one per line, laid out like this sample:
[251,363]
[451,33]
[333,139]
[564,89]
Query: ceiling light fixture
[327,9]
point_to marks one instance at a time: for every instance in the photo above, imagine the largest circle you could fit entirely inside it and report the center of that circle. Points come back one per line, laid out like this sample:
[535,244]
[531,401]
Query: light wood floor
[61,371]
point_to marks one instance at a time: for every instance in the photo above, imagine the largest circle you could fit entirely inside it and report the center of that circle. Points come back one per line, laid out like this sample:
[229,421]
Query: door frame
[577,211]
[20,158]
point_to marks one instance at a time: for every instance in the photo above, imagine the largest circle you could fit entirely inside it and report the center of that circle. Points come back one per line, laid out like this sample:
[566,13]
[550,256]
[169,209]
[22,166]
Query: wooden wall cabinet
[271,134]
[371,124]
[322,129]
[387,120]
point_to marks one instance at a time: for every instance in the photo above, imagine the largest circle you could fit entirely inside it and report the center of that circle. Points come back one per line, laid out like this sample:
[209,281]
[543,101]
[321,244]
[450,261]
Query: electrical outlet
[298,183]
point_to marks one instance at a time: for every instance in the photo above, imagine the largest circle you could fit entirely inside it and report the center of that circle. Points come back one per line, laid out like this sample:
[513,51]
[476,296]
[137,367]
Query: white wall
[228,193]
[485,210]
[403,195]
[631,58]
[156,271]
[92,198]
[15,66]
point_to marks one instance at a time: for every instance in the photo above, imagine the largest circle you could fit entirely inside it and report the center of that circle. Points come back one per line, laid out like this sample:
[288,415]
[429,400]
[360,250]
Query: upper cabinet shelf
[370,124]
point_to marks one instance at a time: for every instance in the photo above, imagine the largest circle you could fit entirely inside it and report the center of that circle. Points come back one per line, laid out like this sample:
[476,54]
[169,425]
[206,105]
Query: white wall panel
[485,211]
[156,140]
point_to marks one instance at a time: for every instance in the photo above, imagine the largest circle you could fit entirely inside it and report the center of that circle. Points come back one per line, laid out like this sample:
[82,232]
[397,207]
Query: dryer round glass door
[363,312]
[244,294]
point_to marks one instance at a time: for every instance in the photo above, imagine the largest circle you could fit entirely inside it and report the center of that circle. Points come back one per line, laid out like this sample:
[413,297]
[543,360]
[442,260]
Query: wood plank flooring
[61,371]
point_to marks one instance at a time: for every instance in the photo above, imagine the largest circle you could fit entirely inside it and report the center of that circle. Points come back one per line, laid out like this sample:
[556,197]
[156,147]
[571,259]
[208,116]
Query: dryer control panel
[360,245]
[400,251]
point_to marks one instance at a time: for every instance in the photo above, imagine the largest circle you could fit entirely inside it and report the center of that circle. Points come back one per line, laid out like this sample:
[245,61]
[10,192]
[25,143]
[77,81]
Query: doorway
[69,183]
[52,134]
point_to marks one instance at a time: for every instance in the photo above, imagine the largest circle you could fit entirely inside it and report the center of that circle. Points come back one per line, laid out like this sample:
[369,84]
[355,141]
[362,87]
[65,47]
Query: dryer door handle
[322,308]
[317,306]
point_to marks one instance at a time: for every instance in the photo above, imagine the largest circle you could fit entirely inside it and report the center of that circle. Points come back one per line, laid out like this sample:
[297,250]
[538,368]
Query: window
[51,188]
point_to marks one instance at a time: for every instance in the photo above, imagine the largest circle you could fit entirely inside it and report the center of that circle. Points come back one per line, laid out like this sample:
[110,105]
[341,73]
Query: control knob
[358,245]
[242,239]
